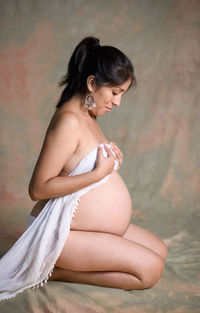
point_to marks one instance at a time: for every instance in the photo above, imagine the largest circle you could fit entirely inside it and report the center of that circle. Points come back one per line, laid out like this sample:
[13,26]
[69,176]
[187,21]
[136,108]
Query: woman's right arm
[60,142]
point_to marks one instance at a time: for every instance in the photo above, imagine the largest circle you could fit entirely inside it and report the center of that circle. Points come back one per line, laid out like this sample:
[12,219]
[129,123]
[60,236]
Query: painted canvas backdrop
[156,127]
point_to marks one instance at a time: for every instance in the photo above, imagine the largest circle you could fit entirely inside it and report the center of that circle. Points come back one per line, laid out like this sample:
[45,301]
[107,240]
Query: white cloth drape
[31,259]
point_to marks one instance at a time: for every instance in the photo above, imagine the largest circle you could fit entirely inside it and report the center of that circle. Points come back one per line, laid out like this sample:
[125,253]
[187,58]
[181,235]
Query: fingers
[100,150]
[108,151]
[118,154]
[106,160]
[117,151]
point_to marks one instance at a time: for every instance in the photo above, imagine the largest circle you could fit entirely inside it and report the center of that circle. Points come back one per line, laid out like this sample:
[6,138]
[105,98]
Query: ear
[91,83]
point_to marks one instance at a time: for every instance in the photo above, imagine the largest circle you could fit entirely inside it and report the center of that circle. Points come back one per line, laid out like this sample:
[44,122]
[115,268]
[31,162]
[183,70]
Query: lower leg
[99,278]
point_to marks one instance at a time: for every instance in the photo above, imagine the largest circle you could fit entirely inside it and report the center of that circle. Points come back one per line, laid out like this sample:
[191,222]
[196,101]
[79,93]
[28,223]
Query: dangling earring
[89,102]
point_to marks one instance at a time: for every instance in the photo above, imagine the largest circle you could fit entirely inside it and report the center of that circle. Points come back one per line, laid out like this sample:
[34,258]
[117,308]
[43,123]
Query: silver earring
[89,102]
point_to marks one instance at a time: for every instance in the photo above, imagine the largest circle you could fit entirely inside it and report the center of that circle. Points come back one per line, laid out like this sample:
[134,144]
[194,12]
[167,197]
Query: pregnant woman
[101,247]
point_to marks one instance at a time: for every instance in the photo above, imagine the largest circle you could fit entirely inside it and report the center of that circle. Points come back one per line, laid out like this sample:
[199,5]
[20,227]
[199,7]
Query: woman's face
[106,97]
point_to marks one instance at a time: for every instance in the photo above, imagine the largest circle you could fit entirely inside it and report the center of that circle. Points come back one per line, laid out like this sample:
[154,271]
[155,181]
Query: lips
[109,108]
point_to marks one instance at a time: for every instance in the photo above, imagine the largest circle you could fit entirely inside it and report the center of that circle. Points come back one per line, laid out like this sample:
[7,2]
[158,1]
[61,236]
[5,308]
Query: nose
[117,100]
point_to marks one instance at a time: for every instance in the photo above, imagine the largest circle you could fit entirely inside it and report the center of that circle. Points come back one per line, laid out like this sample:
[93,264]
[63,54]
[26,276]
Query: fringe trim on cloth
[41,284]
[44,281]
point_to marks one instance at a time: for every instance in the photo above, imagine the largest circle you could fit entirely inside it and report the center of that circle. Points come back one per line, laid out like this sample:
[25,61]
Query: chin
[100,114]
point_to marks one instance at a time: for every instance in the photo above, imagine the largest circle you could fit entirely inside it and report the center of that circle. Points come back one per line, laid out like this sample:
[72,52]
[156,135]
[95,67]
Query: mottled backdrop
[156,127]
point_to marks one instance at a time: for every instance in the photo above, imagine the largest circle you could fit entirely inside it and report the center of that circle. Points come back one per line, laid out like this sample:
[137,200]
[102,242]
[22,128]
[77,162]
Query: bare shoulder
[60,142]
[64,120]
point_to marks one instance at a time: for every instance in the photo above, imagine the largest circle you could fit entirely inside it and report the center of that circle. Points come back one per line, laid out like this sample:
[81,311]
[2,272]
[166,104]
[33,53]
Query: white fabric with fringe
[31,260]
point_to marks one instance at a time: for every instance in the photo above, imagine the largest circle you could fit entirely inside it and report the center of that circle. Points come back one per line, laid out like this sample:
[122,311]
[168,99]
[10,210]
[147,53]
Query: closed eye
[115,94]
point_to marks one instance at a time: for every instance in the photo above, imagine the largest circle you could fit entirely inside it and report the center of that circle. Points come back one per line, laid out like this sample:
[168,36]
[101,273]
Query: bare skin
[103,248]
[133,261]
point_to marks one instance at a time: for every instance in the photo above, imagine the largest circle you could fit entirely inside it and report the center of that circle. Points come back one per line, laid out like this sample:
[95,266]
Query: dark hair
[109,65]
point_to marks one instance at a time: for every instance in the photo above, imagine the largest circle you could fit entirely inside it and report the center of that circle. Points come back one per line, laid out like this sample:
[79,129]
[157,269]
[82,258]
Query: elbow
[34,194]
[33,197]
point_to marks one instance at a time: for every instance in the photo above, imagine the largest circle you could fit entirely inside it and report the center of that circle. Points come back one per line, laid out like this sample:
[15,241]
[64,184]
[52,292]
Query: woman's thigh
[97,251]
[144,237]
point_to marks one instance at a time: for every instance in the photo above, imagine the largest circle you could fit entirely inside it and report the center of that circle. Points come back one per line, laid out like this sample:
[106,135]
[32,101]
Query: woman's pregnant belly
[106,208]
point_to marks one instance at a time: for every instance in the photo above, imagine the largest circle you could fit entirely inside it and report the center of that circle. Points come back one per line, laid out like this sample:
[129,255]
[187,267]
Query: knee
[149,276]
[153,272]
